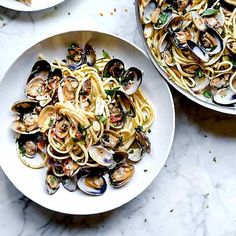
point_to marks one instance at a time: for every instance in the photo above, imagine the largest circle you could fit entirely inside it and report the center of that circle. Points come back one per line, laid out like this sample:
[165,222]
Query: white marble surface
[195,193]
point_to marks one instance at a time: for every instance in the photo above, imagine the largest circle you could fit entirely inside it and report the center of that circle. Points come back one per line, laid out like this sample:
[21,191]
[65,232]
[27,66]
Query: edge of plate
[171,135]
[166,77]
[25,8]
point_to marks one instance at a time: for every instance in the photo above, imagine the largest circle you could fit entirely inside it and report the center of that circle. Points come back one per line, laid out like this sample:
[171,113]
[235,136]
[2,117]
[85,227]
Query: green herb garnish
[75,139]
[50,122]
[163,18]
[139,128]
[209,12]
[131,151]
[207,94]
[149,131]
[112,92]
[102,119]
[22,150]
[199,73]
[105,54]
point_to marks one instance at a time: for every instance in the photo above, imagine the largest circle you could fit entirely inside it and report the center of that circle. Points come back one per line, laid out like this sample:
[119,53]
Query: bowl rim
[172,107]
[215,107]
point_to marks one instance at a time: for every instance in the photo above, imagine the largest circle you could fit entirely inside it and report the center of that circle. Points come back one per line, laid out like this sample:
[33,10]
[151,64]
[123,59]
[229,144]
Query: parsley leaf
[209,12]
[207,94]
[102,119]
[105,54]
[163,18]
[50,122]
[112,92]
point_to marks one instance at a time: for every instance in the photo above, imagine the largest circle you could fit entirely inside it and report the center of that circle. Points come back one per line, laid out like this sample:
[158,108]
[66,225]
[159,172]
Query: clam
[101,155]
[131,80]
[92,185]
[24,106]
[27,120]
[200,83]
[212,41]
[52,182]
[41,68]
[220,81]
[126,104]
[76,56]
[163,18]
[135,154]
[180,38]
[46,118]
[120,157]
[215,21]
[70,183]
[84,94]
[180,5]
[37,90]
[148,30]
[198,51]
[70,168]
[62,127]
[90,54]
[148,11]
[54,80]
[143,141]
[231,45]
[225,96]
[117,117]
[121,174]
[67,90]
[114,68]
[111,139]
[29,145]
[198,21]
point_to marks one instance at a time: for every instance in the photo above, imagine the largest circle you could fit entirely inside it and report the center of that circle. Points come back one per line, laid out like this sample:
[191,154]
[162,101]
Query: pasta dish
[194,42]
[85,118]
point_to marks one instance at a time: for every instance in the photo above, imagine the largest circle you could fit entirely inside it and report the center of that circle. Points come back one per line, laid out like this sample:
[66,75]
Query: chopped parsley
[50,122]
[112,92]
[75,139]
[199,73]
[149,131]
[102,119]
[105,54]
[22,150]
[131,151]
[209,12]
[163,18]
[207,94]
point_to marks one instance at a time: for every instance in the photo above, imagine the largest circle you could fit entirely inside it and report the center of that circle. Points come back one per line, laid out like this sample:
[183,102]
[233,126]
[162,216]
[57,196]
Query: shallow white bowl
[35,6]
[31,182]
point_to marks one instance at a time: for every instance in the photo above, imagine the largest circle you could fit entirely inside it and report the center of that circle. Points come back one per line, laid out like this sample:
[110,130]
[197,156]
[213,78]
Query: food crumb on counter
[101,14]
[114,9]
[171,210]
[145,220]
[126,10]
[214,159]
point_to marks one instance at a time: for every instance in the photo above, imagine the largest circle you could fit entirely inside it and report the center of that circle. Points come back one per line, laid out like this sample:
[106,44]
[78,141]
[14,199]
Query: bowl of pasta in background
[31,182]
[157,36]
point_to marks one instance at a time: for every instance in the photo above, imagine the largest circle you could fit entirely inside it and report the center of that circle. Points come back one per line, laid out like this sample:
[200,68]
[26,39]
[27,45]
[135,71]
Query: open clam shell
[225,97]
[46,118]
[131,80]
[41,68]
[114,68]
[92,184]
[198,51]
[121,174]
[111,139]
[101,155]
[90,54]
[52,182]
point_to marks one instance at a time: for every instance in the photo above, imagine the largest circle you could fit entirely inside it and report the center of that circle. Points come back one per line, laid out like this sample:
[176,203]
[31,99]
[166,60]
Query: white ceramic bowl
[31,182]
[35,6]
[213,106]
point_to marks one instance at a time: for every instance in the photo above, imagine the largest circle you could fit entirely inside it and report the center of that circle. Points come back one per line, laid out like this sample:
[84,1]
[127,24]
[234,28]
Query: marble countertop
[194,193]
